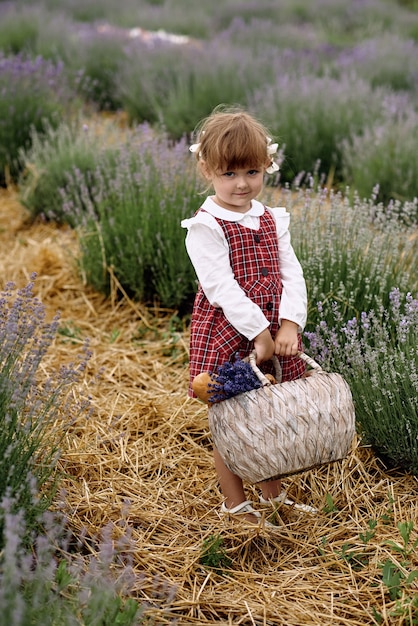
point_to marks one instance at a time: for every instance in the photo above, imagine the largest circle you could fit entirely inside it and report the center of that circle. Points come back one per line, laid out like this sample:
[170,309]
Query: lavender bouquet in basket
[230,380]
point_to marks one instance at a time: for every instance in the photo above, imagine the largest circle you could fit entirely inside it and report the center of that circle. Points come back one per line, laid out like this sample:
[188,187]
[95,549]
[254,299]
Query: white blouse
[209,253]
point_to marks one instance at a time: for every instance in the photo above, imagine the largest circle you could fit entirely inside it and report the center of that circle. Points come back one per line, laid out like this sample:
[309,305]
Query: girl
[251,293]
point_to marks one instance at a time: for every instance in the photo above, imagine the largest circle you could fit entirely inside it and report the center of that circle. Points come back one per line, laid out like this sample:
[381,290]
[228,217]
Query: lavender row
[340,92]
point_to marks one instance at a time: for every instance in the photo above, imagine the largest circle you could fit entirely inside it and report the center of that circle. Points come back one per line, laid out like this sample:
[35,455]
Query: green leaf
[412,576]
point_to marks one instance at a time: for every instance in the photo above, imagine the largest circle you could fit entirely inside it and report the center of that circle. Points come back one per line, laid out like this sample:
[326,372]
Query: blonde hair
[231,138]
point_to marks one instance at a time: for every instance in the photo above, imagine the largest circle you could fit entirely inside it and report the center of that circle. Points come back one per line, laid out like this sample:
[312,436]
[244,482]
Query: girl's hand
[264,346]
[286,339]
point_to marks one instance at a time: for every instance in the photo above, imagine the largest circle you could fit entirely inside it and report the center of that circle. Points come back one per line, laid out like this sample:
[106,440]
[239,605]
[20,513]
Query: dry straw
[144,458]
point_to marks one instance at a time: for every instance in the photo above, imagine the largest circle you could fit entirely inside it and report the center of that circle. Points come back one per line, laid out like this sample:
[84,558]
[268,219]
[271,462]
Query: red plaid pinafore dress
[254,258]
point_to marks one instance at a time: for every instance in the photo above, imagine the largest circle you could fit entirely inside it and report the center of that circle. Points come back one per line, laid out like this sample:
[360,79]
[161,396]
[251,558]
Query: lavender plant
[34,413]
[95,66]
[387,60]
[129,226]
[284,40]
[53,583]
[153,91]
[54,154]
[310,92]
[312,115]
[33,93]
[377,353]
[35,31]
[18,30]
[344,22]
[384,154]
[353,251]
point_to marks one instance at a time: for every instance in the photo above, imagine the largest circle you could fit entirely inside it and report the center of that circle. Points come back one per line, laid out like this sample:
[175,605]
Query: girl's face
[234,189]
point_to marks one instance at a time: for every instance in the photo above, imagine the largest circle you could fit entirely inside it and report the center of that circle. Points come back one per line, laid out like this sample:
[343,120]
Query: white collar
[256,209]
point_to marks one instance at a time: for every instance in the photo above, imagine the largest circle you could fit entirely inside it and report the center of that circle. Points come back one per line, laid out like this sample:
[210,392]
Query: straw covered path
[143,462]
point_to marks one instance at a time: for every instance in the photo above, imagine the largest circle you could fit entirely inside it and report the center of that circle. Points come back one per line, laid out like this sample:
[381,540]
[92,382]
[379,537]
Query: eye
[228,174]
[253,172]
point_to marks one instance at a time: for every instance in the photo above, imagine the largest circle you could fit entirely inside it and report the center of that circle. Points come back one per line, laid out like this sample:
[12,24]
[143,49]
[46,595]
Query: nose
[241,182]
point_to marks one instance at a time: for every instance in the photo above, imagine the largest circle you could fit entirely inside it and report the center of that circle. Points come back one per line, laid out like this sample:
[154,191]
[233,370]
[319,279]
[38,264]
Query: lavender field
[336,83]
[109,505]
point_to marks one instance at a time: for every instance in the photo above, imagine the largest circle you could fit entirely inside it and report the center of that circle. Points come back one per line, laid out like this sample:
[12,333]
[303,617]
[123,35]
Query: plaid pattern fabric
[254,258]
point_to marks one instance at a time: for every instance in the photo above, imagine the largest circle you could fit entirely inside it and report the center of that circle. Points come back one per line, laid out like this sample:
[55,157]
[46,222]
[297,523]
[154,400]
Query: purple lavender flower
[29,410]
[233,379]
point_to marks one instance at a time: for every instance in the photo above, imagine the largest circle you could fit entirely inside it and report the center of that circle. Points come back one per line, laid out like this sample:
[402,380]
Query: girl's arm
[286,339]
[293,303]
[264,346]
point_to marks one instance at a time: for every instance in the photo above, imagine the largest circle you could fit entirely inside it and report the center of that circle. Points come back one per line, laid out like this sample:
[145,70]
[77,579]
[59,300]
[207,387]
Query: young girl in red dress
[252,293]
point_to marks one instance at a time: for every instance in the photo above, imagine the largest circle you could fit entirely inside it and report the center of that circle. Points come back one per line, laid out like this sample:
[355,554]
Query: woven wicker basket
[282,429]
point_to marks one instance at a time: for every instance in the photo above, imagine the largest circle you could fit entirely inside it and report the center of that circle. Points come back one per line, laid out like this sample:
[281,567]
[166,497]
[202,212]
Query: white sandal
[283,499]
[246,507]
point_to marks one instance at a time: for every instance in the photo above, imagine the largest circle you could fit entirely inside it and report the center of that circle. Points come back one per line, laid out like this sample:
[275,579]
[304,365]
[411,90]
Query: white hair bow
[194,147]
[272,149]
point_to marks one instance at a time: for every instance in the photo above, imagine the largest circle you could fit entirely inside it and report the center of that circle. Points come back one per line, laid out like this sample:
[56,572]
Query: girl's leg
[233,490]
[270,489]
[232,487]
[231,484]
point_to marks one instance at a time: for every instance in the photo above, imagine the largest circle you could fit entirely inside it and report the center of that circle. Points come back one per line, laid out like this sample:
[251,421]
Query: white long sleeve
[209,254]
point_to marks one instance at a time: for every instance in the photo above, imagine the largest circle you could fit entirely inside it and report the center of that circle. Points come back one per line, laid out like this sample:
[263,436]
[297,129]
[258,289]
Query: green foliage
[384,155]
[213,553]
[34,415]
[70,332]
[398,580]
[330,506]
[72,146]
[369,532]
[33,95]
[312,115]
[407,549]
[395,575]
[129,227]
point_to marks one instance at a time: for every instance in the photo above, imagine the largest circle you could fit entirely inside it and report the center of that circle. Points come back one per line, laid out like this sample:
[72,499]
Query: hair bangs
[233,141]
[241,150]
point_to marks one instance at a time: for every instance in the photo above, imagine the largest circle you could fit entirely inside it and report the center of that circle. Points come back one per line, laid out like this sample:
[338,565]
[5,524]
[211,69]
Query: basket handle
[264,380]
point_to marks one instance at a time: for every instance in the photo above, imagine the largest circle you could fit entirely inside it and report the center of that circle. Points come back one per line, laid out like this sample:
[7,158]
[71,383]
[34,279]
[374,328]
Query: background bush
[377,353]
[72,146]
[352,253]
[302,73]
[129,223]
[34,413]
[312,115]
[34,93]
[175,88]
[385,153]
